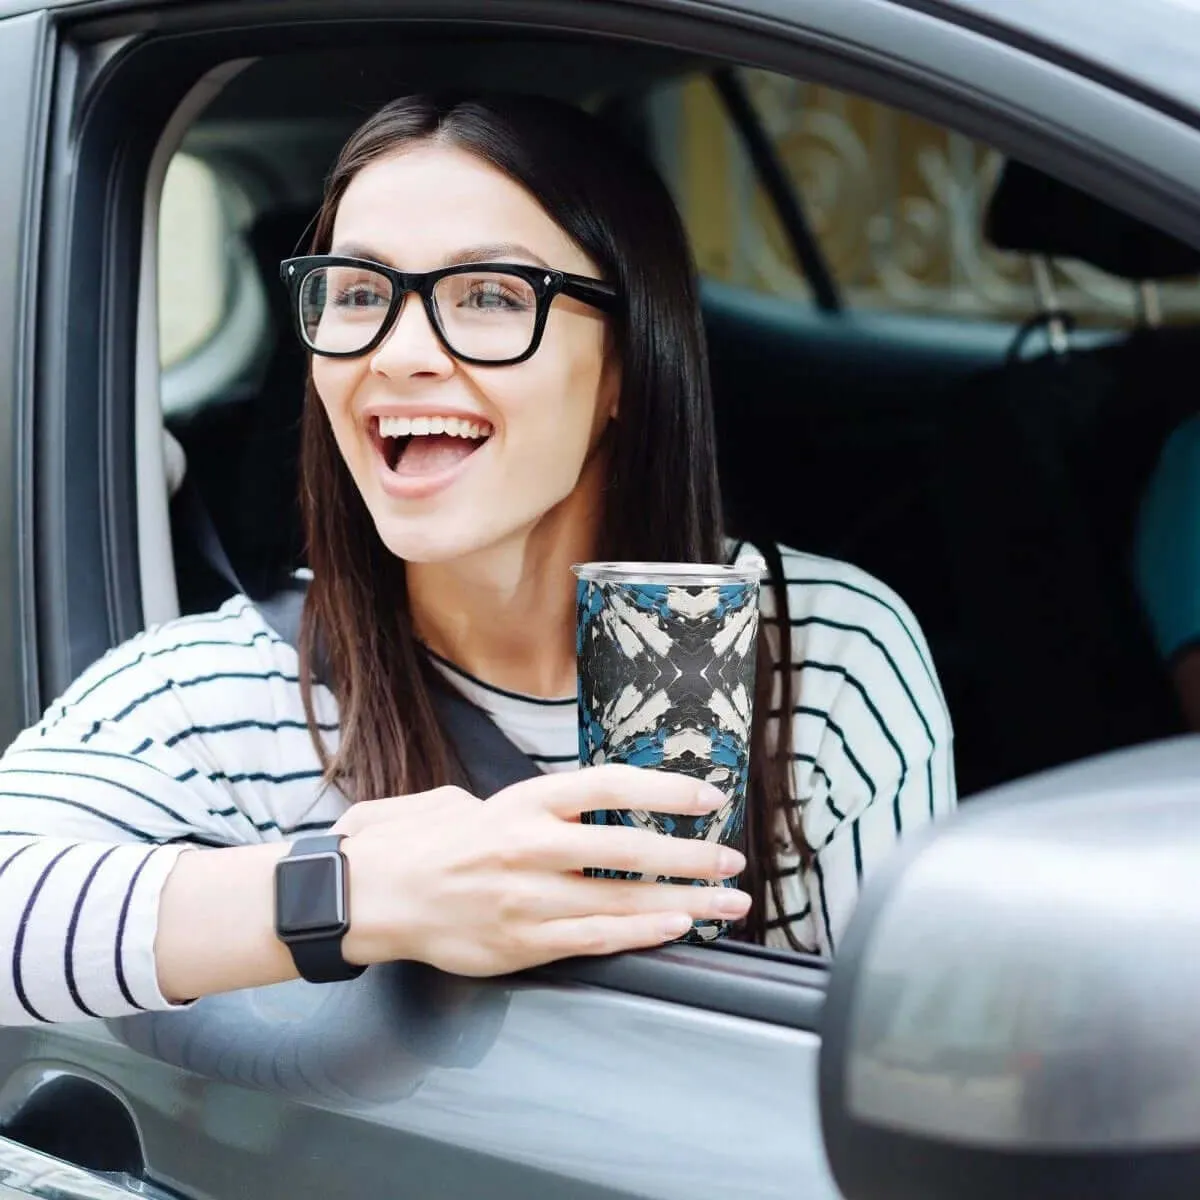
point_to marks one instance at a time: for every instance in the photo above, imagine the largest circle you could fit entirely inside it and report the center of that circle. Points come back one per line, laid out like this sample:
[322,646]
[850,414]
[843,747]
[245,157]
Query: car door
[682,1072]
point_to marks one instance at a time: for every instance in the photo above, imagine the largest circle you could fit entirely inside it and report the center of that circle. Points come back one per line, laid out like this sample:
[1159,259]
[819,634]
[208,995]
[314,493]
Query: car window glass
[896,204]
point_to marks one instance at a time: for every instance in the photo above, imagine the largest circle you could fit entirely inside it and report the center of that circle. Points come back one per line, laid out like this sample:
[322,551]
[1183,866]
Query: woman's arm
[103,795]
[215,930]
[141,820]
[878,805]
[473,888]
[873,732]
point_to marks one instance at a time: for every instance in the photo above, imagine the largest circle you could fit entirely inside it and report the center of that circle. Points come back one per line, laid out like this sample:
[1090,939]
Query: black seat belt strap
[199,524]
[490,760]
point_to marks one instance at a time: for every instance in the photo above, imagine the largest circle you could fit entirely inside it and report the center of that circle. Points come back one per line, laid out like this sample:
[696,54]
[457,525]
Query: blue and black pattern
[666,679]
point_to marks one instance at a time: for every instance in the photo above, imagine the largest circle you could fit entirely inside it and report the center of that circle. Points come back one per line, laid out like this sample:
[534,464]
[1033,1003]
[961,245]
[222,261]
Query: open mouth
[427,445]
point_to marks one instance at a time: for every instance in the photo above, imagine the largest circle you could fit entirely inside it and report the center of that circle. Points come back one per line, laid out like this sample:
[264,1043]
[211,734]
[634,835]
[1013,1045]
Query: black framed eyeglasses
[493,314]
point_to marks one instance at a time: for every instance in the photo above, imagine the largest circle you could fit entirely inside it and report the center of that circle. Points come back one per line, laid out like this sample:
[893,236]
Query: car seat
[269,542]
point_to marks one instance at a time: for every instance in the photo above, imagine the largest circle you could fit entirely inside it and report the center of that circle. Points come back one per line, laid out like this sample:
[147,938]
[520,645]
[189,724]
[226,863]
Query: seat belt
[194,515]
[490,760]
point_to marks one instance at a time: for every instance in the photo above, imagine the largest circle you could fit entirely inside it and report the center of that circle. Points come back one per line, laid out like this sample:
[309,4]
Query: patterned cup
[666,680]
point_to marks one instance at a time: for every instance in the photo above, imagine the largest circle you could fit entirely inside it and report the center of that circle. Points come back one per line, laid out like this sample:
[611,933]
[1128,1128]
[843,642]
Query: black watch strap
[319,958]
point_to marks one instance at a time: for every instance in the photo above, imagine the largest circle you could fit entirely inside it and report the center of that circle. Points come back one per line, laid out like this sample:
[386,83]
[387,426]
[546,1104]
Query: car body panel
[409,1083]
[1149,45]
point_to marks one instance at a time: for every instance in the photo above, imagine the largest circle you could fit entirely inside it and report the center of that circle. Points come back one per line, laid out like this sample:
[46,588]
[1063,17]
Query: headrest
[1031,213]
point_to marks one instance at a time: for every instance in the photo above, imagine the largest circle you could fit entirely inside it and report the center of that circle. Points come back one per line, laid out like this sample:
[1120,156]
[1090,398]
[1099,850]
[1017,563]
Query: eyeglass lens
[485,315]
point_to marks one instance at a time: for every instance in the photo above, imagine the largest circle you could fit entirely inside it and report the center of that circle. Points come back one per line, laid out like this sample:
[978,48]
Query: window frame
[26,82]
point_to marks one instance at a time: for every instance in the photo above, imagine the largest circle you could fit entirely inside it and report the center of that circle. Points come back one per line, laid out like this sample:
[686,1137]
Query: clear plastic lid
[678,574]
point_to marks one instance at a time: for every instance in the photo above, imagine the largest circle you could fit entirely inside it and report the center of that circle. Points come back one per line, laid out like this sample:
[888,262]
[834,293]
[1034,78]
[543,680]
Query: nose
[412,346]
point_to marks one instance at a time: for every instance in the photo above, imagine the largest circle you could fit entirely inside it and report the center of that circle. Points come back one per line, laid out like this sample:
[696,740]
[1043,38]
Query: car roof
[1147,47]
[1153,45]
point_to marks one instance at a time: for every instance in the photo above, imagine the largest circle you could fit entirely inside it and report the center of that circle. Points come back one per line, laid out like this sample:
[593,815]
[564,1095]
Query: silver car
[951,290]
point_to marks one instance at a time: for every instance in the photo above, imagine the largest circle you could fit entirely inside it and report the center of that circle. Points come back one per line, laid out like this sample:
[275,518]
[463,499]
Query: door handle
[31,1175]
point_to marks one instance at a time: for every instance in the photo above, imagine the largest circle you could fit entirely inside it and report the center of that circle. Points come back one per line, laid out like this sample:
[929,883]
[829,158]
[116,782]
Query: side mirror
[1014,1012]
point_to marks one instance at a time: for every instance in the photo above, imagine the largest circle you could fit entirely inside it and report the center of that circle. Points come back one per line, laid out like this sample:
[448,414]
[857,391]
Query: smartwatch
[312,908]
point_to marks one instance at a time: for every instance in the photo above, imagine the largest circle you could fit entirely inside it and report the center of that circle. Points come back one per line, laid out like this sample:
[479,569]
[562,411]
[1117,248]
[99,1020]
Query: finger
[554,897]
[574,936]
[625,848]
[569,793]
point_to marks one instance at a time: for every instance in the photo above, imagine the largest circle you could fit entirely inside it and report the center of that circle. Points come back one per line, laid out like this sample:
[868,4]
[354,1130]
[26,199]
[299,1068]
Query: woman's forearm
[216,929]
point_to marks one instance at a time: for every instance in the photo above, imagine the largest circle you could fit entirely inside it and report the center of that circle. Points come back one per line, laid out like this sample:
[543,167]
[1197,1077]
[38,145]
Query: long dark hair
[662,502]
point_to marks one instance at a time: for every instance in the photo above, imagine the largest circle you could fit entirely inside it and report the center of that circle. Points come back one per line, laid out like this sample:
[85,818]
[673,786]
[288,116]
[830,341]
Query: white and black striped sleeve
[871,741]
[872,713]
[97,801]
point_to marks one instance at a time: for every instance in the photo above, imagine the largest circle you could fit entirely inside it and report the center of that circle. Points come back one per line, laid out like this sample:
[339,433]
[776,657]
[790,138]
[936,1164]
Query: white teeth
[392,427]
[398,427]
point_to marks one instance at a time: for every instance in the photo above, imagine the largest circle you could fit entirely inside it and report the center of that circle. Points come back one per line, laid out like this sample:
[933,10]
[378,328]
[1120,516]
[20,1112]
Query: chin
[431,540]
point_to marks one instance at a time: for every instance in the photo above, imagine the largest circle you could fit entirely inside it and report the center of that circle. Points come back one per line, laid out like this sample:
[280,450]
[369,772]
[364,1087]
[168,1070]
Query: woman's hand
[479,888]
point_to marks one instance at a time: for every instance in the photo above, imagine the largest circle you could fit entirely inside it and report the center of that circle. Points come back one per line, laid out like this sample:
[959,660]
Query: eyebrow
[492,252]
[498,251]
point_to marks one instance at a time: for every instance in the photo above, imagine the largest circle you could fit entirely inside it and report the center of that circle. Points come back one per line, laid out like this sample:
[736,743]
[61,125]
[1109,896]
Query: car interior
[983,459]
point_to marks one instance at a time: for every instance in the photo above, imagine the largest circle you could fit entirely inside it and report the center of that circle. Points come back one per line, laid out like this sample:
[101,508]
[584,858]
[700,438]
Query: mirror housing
[1014,1010]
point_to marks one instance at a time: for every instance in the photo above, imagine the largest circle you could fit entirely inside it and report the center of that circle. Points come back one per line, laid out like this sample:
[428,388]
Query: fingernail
[730,862]
[731,903]
[710,797]
[675,925]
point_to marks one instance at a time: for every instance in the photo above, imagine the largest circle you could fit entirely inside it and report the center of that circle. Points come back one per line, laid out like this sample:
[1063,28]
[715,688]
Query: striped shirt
[193,734]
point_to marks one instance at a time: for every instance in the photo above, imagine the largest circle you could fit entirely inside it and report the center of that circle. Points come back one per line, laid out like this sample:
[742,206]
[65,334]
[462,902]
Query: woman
[460,451]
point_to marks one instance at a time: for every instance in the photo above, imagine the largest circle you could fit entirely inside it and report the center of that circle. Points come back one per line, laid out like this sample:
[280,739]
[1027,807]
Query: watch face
[308,896]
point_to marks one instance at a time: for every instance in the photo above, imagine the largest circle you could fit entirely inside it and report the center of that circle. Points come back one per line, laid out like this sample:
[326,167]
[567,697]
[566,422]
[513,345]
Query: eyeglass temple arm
[603,295]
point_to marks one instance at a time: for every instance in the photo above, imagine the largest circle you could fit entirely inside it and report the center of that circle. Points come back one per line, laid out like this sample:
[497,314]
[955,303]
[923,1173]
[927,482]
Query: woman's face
[448,495]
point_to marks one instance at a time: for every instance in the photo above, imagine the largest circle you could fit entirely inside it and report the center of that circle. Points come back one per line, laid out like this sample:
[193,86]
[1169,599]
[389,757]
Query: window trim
[733,978]
[26,57]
